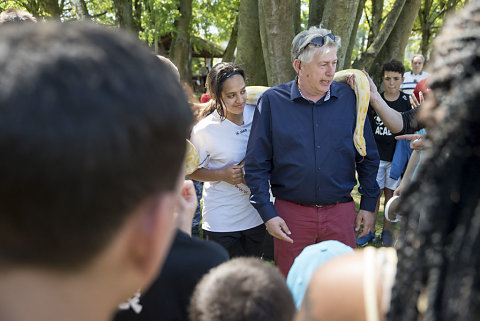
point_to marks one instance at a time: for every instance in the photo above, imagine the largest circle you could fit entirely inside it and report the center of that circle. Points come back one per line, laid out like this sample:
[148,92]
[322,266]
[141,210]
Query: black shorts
[240,243]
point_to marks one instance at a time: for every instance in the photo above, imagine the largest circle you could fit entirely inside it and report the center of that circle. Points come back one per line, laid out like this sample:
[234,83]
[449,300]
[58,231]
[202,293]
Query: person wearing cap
[305,265]
[413,77]
[301,143]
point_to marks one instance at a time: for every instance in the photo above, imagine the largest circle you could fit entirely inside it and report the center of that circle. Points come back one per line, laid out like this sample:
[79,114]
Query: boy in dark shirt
[392,79]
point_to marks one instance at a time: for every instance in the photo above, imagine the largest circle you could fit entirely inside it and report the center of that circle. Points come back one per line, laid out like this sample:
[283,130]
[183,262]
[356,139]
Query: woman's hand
[233,174]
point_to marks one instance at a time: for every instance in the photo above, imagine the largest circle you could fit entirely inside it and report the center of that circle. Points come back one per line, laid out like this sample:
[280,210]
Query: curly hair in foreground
[438,276]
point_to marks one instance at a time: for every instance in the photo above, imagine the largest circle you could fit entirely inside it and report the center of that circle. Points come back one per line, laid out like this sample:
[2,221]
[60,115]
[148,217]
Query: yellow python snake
[191,159]
[362,92]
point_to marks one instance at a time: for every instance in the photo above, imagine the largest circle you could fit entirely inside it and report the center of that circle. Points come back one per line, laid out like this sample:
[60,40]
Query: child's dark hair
[91,126]
[393,65]
[244,288]
[215,80]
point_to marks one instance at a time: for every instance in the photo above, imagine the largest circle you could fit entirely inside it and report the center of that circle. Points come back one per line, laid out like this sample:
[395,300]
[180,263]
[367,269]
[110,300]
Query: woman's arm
[232,175]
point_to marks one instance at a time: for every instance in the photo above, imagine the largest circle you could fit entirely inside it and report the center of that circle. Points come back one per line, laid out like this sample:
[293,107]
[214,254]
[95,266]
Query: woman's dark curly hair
[215,80]
[438,272]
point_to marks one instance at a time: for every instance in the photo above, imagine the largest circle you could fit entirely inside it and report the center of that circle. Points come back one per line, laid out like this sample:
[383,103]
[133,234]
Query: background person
[392,79]
[302,143]
[413,77]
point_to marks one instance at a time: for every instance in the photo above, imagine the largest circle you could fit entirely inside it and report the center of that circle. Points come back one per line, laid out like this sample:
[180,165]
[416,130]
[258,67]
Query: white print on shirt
[133,302]
[381,129]
[243,188]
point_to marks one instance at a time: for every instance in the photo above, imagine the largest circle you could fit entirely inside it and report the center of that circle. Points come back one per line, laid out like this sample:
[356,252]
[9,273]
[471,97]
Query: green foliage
[304,14]
[213,19]
[4,5]
[102,11]
[431,16]
[158,19]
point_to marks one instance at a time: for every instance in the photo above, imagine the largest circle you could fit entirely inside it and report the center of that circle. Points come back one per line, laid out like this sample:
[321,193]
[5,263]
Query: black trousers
[240,243]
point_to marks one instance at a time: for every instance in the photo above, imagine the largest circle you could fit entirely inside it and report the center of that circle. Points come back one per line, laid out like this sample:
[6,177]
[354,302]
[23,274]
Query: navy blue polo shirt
[305,149]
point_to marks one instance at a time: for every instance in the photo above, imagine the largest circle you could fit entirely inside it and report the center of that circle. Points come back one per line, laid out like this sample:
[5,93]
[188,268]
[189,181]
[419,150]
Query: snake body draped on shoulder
[362,91]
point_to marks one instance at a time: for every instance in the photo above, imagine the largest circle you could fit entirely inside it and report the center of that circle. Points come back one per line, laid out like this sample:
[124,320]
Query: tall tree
[394,47]
[32,6]
[367,57]
[337,16]
[315,9]
[81,10]
[376,21]
[180,49]
[348,55]
[124,14]
[53,8]
[232,43]
[249,46]
[297,14]
[430,19]
[277,25]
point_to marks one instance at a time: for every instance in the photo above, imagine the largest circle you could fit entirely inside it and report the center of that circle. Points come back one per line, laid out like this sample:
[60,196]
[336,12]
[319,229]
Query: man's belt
[346,199]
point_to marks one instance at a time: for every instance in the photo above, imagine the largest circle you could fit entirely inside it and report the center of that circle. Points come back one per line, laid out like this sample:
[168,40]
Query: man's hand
[374,94]
[278,228]
[351,81]
[417,141]
[368,220]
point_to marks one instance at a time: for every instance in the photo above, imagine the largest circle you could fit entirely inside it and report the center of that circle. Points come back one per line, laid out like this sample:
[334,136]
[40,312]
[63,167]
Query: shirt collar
[295,92]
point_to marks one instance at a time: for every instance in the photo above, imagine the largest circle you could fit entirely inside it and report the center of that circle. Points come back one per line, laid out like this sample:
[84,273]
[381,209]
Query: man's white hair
[418,55]
[303,39]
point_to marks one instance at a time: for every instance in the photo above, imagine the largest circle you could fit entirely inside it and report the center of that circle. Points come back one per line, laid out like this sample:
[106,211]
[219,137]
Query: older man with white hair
[302,143]
[413,77]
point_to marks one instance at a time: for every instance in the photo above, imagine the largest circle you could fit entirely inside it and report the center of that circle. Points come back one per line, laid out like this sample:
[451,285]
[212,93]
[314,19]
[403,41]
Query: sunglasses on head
[319,41]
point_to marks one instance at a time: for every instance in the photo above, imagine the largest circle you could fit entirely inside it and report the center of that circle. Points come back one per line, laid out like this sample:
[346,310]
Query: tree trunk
[81,10]
[367,58]
[249,47]
[53,8]
[315,12]
[137,15]
[124,14]
[180,49]
[375,21]
[425,25]
[33,7]
[277,31]
[229,53]
[348,54]
[298,17]
[395,46]
[337,16]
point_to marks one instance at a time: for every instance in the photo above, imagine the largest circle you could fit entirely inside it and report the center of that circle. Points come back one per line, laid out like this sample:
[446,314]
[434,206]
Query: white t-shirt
[220,144]
[411,81]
